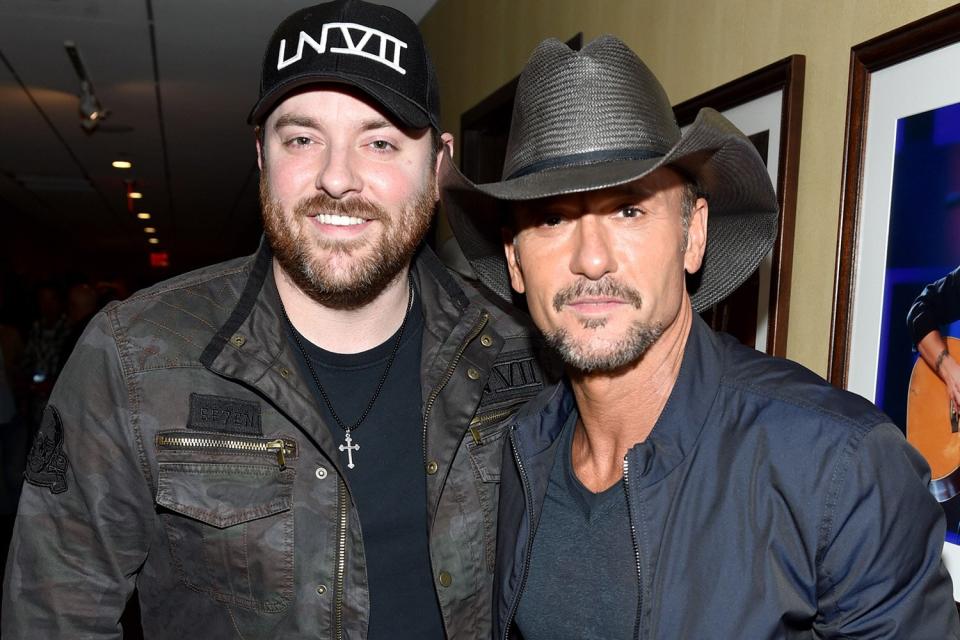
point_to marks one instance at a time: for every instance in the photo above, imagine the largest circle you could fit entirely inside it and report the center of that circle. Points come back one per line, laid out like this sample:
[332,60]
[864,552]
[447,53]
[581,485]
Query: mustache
[606,287]
[353,207]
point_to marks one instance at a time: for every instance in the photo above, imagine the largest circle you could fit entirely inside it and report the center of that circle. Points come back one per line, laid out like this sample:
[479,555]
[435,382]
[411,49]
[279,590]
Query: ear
[513,259]
[446,146]
[696,236]
[256,136]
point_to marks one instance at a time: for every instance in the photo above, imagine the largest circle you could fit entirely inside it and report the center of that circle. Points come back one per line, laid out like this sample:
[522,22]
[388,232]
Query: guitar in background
[932,426]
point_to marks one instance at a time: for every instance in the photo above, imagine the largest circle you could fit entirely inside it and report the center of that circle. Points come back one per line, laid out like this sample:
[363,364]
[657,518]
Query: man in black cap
[676,484]
[304,443]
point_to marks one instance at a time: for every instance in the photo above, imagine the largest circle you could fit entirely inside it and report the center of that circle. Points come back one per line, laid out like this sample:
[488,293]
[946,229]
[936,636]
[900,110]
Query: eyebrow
[376,123]
[295,120]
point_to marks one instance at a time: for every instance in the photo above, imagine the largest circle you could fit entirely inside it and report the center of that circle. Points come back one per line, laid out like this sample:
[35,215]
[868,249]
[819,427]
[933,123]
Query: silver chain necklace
[348,445]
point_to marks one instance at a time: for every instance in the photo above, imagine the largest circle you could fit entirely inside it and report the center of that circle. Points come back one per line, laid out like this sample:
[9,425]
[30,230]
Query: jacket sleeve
[85,513]
[938,304]
[879,567]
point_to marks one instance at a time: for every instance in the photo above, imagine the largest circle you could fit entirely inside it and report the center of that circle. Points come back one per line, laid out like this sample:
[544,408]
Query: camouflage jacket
[182,454]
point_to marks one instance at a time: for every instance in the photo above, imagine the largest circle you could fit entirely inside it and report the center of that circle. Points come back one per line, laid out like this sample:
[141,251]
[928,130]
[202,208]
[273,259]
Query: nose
[338,175]
[593,252]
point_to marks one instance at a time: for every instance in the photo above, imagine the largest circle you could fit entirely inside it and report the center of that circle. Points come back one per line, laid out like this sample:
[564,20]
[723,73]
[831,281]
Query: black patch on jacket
[224,415]
[47,463]
[513,375]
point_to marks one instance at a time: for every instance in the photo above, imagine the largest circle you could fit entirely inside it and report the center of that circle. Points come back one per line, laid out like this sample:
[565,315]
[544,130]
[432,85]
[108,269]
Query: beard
[597,355]
[365,268]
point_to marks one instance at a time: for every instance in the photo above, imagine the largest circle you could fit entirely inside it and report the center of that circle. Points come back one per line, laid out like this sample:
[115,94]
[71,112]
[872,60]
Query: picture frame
[767,105]
[896,215]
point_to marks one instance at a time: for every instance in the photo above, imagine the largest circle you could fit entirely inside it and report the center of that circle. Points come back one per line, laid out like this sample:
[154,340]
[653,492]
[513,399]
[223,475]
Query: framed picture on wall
[767,105]
[900,230]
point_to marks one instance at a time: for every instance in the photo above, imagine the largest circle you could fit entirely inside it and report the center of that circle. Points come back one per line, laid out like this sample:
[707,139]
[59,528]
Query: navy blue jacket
[764,504]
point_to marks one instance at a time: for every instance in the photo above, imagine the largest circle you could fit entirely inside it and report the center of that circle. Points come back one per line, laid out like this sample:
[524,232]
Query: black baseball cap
[376,49]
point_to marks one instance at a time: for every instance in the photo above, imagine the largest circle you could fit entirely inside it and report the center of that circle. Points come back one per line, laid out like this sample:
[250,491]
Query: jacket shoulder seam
[867,421]
[176,285]
[133,396]
[841,468]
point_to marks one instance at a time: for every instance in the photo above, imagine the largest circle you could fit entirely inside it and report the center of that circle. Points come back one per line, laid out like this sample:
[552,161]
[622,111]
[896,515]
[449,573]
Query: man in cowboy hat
[676,484]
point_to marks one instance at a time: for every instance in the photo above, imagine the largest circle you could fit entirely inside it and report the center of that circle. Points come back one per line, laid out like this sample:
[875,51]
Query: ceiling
[178,78]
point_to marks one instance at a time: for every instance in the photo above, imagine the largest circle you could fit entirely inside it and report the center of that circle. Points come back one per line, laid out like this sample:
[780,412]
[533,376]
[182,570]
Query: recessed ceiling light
[136,195]
[121,164]
[149,230]
[153,241]
[143,216]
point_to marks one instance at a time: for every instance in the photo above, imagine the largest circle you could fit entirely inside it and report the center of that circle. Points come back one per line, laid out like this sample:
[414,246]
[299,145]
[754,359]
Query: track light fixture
[91,111]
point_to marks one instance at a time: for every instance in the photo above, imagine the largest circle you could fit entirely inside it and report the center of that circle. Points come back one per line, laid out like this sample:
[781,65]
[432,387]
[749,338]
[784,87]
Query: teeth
[339,221]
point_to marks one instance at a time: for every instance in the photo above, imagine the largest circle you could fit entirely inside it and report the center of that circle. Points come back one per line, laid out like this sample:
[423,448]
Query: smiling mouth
[338,220]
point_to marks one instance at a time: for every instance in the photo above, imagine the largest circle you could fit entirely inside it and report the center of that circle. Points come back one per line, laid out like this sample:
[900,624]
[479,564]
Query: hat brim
[742,226]
[402,109]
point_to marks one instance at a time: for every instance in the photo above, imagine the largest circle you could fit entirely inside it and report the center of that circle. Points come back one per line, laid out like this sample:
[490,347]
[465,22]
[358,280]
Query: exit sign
[159,259]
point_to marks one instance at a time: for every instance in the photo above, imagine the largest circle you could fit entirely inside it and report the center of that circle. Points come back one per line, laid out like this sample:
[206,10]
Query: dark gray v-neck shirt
[582,581]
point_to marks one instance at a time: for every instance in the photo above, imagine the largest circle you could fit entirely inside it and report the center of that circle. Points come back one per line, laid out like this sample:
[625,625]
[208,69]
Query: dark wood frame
[917,38]
[786,75]
[493,110]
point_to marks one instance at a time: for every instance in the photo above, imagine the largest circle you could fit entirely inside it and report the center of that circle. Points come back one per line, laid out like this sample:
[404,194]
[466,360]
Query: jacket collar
[256,315]
[673,436]
[677,430]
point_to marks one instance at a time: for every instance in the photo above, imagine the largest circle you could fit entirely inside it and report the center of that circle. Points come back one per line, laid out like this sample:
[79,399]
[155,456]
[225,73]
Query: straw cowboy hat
[596,118]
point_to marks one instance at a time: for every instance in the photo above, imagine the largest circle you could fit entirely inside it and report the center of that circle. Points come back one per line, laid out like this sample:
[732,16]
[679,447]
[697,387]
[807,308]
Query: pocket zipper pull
[280,447]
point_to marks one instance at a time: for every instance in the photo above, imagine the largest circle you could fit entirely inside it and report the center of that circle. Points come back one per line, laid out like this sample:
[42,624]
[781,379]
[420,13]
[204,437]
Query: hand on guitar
[950,374]
[933,350]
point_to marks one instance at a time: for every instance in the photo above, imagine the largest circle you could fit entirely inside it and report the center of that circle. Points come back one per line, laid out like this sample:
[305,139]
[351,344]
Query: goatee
[596,355]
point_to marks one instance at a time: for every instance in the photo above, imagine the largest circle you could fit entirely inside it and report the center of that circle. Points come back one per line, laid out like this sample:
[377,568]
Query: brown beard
[365,277]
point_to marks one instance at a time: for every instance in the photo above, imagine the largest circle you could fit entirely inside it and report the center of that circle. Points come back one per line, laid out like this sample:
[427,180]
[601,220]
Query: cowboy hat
[598,118]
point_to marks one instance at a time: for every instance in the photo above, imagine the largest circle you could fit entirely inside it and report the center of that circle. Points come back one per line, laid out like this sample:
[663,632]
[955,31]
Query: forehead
[331,100]
[661,185]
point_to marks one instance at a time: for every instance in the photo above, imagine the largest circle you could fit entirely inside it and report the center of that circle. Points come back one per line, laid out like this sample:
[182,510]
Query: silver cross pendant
[349,448]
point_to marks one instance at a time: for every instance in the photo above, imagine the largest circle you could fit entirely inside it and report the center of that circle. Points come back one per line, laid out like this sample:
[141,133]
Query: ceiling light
[135,195]
[143,216]
[121,164]
[91,111]
[149,230]
[153,240]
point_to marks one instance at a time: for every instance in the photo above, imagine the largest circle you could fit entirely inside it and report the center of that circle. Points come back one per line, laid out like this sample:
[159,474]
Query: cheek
[288,183]
[394,183]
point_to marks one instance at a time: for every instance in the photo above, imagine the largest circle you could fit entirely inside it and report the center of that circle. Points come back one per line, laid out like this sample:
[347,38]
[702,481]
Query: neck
[619,409]
[344,330]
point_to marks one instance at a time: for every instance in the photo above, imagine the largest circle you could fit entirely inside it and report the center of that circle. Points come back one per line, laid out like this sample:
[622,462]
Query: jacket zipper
[474,332]
[342,503]
[280,447]
[479,421]
[636,546]
[530,535]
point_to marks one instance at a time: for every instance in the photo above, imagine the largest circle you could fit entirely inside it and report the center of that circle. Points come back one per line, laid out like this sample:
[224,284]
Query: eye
[298,141]
[551,220]
[382,145]
[631,211]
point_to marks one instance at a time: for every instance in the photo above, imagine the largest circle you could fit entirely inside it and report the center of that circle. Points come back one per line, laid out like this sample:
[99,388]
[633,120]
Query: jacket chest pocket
[485,447]
[227,508]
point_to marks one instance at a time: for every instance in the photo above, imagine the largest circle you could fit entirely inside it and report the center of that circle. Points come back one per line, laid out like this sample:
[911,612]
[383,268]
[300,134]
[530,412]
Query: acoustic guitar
[932,426]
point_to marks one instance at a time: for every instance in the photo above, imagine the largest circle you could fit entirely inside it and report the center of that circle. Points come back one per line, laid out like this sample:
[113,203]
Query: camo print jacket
[181,454]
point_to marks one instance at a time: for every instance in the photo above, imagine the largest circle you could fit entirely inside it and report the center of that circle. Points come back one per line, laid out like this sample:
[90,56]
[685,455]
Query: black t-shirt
[582,581]
[387,481]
